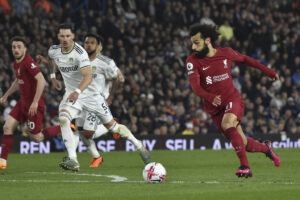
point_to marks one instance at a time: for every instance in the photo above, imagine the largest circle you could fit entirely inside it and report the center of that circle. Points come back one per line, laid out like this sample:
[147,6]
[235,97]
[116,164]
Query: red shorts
[34,123]
[235,106]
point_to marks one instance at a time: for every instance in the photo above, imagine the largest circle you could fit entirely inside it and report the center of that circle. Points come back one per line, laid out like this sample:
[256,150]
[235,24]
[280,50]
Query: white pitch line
[115,178]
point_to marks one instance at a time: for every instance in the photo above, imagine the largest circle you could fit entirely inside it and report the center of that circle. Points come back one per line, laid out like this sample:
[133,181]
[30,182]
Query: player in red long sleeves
[209,73]
[30,107]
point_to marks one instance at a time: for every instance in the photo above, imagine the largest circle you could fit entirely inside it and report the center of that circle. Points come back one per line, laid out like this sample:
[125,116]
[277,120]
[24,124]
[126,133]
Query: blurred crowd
[149,41]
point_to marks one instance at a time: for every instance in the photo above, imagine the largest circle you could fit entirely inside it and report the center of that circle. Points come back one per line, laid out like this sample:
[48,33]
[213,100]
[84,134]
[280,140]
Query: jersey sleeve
[51,52]
[111,71]
[238,57]
[194,78]
[84,60]
[31,67]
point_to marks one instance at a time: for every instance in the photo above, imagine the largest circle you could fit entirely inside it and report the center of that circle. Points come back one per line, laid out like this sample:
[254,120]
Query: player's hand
[121,78]
[33,109]
[73,97]
[3,100]
[217,101]
[41,59]
[56,84]
[276,77]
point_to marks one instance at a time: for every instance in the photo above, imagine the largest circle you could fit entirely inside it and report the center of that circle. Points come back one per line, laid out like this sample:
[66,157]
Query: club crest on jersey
[19,72]
[94,68]
[225,63]
[71,60]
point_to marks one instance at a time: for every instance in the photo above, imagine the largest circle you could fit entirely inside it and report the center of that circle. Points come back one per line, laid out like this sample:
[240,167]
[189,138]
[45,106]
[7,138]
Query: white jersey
[104,69]
[69,64]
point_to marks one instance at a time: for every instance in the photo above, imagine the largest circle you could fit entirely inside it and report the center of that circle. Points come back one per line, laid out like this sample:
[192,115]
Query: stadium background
[149,41]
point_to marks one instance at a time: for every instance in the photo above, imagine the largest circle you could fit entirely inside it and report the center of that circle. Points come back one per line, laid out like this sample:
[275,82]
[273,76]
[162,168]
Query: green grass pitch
[190,175]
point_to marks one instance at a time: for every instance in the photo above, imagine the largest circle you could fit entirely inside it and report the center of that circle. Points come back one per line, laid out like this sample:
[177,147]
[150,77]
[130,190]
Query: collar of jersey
[68,51]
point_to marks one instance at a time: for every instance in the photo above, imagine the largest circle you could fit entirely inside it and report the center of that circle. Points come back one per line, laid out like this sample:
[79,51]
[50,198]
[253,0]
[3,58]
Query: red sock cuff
[7,142]
[51,131]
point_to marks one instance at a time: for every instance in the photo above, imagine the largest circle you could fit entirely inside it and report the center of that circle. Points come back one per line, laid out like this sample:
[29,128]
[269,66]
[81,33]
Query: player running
[30,107]
[81,95]
[209,73]
[107,77]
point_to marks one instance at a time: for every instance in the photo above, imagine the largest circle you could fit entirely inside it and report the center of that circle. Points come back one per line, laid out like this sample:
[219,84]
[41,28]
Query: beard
[91,52]
[18,57]
[202,53]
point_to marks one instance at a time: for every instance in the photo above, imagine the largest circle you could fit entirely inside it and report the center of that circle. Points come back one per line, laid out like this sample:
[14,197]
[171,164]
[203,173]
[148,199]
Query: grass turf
[190,175]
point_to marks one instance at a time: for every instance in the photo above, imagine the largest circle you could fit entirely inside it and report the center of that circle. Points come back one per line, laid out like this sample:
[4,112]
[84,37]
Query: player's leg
[266,147]
[125,133]
[100,131]
[65,117]
[229,123]
[7,140]
[86,135]
[35,123]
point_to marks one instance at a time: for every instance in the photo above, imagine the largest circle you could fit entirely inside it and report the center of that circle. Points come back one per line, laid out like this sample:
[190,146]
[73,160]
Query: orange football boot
[2,165]
[96,161]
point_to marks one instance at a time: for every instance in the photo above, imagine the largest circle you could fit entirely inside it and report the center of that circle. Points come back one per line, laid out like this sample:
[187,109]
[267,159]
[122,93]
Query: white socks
[90,144]
[126,134]
[68,137]
[101,130]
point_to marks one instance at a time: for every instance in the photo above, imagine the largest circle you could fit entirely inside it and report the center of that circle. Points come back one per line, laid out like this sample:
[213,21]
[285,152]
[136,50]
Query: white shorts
[88,111]
[88,120]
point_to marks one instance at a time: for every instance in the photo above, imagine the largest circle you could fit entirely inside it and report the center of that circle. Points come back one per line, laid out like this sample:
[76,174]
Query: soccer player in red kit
[30,107]
[209,73]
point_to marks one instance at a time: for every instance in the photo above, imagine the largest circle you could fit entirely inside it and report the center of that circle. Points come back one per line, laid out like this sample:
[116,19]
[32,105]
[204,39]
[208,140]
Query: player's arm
[196,87]
[14,87]
[54,81]
[41,82]
[194,78]
[238,57]
[86,80]
[119,80]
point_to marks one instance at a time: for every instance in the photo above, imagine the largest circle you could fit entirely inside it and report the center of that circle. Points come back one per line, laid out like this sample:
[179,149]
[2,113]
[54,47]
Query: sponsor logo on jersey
[208,80]
[217,78]
[221,77]
[69,69]
[71,60]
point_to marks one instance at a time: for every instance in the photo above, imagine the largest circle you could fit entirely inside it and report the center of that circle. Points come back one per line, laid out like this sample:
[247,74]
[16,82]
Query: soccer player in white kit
[80,92]
[105,74]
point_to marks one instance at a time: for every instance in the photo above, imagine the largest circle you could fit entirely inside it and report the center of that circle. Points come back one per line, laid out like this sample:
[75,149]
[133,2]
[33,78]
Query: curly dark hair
[99,39]
[206,31]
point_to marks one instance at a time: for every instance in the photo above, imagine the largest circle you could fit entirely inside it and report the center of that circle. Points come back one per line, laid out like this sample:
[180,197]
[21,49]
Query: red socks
[254,146]
[51,131]
[237,142]
[7,142]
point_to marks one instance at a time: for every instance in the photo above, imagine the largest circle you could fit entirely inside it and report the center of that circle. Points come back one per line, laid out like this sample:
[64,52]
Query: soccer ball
[154,172]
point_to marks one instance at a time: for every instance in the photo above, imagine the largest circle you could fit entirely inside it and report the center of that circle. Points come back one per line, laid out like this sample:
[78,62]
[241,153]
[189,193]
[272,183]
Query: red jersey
[25,73]
[211,76]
